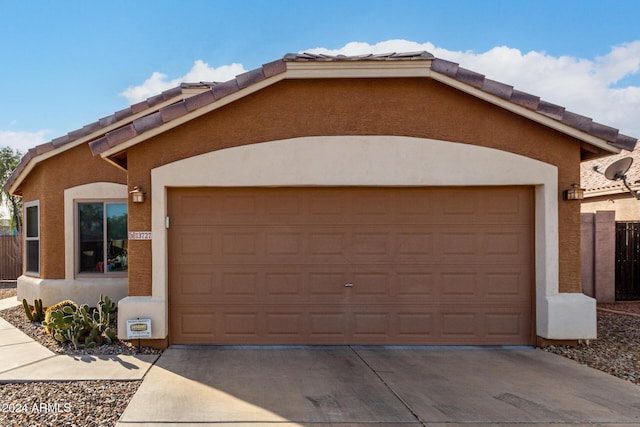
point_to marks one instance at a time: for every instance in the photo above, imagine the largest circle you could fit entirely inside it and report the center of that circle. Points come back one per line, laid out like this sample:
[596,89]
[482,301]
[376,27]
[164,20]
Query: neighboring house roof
[596,184]
[113,135]
[100,128]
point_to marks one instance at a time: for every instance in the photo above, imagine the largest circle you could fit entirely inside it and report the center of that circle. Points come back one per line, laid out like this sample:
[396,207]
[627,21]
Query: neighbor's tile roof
[596,183]
[216,91]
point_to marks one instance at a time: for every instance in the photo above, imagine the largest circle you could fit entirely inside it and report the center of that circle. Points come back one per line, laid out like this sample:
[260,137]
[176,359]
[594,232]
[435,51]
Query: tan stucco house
[378,199]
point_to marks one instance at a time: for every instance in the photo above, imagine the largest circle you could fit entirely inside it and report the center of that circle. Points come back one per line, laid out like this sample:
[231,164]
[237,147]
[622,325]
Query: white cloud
[585,86]
[22,141]
[200,72]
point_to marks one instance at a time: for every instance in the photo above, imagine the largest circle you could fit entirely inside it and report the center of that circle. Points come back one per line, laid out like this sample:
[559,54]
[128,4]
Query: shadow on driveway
[362,386]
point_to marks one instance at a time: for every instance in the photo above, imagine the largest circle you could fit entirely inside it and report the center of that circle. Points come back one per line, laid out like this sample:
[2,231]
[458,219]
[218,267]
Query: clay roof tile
[196,101]
[250,77]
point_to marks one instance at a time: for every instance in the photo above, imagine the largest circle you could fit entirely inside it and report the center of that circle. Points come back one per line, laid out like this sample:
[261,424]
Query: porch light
[137,195]
[575,193]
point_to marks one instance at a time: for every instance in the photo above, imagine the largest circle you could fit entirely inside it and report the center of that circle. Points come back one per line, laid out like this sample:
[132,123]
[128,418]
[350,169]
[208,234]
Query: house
[610,230]
[376,199]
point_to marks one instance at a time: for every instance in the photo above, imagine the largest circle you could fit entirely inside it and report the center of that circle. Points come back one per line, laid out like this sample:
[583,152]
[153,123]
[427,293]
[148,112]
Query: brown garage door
[351,265]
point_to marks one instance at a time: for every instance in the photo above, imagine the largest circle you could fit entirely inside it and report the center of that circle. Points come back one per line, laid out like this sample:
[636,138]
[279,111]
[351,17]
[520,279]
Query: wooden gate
[10,257]
[627,261]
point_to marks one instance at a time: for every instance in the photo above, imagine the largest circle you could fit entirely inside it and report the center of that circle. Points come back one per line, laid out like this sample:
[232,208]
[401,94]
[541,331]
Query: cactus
[27,309]
[83,326]
[36,315]
[60,305]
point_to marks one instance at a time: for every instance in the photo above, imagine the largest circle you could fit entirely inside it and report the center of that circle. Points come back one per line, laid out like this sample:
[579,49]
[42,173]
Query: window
[32,237]
[102,236]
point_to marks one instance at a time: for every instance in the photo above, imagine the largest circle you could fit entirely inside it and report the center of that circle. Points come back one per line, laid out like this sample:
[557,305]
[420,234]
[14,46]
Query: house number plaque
[139,235]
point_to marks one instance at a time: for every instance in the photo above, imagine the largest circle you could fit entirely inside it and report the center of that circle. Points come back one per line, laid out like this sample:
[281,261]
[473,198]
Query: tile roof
[212,92]
[448,68]
[103,123]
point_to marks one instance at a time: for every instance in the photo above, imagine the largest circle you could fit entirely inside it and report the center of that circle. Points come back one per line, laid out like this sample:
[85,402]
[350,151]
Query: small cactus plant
[57,306]
[37,314]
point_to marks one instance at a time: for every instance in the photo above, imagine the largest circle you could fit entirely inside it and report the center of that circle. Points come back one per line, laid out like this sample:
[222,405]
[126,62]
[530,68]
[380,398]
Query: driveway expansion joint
[397,396]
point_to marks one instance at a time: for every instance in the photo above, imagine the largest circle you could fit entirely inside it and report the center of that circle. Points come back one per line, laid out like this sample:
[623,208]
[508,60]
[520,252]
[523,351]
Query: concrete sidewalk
[23,359]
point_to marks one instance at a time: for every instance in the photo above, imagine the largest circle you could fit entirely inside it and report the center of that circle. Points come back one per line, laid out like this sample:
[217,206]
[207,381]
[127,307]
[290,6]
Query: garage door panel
[414,285]
[284,325]
[193,284]
[467,287]
[371,325]
[364,245]
[355,324]
[507,205]
[423,265]
[326,284]
[414,325]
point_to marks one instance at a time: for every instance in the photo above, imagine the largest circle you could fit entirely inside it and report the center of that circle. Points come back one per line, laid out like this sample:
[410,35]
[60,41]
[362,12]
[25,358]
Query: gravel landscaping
[617,349]
[7,290]
[55,404]
[101,403]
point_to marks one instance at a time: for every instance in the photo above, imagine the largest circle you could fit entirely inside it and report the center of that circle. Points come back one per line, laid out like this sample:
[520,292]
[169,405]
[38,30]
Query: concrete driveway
[366,386]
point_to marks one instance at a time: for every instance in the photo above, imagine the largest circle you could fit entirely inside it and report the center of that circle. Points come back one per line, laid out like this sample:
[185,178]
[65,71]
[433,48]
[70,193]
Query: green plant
[57,306]
[36,315]
[83,326]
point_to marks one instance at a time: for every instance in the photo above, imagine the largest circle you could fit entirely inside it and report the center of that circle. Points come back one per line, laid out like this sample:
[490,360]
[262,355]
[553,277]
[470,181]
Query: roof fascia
[87,138]
[608,191]
[115,164]
[525,112]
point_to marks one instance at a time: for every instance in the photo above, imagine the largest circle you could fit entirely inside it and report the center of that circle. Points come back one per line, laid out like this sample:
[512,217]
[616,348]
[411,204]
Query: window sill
[102,275]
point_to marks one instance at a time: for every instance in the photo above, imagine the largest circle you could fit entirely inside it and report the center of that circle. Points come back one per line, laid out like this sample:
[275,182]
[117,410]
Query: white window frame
[76,220]
[27,205]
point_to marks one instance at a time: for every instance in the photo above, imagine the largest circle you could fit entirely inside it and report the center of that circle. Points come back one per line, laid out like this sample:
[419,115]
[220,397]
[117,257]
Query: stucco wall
[408,107]
[587,250]
[626,207]
[47,183]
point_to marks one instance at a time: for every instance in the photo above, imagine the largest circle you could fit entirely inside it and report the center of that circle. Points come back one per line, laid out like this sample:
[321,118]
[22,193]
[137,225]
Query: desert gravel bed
[617,349]
[7,290]
[55,404]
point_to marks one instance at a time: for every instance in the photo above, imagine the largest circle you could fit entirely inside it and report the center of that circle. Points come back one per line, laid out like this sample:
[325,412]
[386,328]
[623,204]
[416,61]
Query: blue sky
[68,63]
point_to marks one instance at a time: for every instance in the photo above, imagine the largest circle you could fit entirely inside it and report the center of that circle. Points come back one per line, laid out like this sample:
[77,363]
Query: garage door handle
[348,285]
